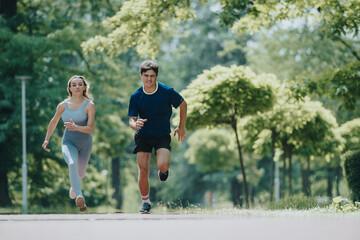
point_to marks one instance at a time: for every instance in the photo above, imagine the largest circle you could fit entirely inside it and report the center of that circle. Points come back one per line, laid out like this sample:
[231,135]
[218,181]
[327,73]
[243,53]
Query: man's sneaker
[163,175]
[145,209]
[80,203]
[72,193]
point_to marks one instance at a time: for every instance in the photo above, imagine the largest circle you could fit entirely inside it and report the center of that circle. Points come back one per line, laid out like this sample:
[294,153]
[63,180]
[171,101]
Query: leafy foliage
[332,20]
[46,46]
[352,172]
[212,150]
[138,24]
[183,58]
[291,52]
[221,95]
[316,137]
[298,201]
[284,117]
[350,131]
[340,83]
[334,17]
[44,40]
[344,205]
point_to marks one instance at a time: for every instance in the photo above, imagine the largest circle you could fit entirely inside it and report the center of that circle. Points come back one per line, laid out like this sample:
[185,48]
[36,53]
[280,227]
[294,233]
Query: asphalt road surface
[172,226]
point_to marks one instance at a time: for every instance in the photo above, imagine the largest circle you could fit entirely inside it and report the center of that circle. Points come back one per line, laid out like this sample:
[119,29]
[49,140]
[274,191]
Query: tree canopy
[140,25]
[221,95]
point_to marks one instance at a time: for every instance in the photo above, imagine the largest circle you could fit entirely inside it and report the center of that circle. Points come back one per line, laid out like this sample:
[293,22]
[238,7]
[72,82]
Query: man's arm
[132,122]
[180,130]
[136,123]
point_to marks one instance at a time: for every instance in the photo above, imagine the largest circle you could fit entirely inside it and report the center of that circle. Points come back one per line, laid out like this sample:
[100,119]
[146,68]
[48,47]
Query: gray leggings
[76,149]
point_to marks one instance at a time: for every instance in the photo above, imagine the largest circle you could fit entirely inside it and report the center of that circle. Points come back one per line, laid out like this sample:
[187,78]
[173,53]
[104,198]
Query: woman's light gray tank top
[78,116]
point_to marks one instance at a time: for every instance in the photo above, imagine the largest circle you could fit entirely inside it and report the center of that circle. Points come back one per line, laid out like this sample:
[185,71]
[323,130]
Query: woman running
[78,114]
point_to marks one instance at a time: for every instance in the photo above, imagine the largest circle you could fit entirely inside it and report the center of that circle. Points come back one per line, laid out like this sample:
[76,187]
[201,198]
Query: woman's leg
[70,153]
[84,156]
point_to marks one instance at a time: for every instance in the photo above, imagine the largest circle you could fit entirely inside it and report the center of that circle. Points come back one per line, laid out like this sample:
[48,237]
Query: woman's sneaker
[163,175]
[80,203]
[72,193]
[145,209]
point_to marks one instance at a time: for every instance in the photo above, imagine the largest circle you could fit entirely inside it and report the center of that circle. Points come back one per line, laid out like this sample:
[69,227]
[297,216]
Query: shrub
[343,205]
[352,172]
[298,202]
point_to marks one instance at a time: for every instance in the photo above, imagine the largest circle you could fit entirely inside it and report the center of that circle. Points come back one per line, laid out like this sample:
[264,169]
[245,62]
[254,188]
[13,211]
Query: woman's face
[77,87]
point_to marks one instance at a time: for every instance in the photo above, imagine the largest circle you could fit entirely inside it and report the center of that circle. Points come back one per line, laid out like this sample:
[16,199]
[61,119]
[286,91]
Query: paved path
[175,227]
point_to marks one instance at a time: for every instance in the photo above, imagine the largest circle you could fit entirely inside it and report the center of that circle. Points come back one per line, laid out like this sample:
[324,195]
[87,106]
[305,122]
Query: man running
[149,113]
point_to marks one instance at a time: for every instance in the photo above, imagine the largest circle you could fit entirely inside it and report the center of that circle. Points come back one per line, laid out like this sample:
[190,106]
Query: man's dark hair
[149,65]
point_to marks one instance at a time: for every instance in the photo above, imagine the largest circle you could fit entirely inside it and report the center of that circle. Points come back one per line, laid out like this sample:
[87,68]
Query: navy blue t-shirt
[156,108]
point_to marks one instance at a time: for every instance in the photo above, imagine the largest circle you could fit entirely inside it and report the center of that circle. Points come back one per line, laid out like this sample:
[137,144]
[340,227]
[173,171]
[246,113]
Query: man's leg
[163,163]
[163,159]
[143,160]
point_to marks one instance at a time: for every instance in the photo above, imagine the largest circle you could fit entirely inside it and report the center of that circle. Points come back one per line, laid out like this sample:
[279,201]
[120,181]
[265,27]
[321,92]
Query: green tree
[43,40]
[352,170]
[112,136]
[280,121]
[182,58]
[334,17]
[213,152]
[350,131]
[139,25]
[315,139]
[339,83]
[222,96]
[290,52]
[334,20]
[289,126]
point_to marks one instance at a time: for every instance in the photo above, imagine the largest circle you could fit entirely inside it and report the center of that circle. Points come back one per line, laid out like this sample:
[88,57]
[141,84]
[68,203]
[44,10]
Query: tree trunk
[236,192]
[4,184]
[283,174]
[330,176]
[272,165]
[252,194]
[115,177]
[305,172]
[338,178]
[5,200]
[241,165]
[290,171]
[303,177]
[286,154]
[308,176]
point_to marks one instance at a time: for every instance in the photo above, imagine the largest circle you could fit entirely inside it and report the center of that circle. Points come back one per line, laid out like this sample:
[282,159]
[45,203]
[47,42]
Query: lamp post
[24,166]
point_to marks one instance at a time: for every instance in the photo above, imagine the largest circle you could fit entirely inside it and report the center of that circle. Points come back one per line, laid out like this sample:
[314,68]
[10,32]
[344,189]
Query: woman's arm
[52,125]
[89,128]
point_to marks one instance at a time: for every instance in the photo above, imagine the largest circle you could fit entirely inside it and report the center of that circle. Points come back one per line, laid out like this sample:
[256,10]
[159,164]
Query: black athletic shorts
[144,143]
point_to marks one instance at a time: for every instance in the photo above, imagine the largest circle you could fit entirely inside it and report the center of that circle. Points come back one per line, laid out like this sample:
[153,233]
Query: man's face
[148,78]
